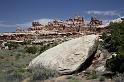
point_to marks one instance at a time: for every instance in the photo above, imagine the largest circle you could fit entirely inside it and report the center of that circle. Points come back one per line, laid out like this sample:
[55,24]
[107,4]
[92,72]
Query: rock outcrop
[67,57]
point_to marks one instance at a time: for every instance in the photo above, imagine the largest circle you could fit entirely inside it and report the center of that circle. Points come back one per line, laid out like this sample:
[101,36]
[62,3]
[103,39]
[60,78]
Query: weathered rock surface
[67,57]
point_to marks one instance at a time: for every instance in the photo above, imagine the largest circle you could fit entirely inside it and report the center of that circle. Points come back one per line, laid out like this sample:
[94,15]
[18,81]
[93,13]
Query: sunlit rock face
[67,57]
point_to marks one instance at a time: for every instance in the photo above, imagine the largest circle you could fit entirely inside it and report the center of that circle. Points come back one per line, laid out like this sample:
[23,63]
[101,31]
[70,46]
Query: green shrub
[11,45]
[26,42]
[15,75]
[72,79]
[45,47]
[18,56]
[101,78]
[116,63]
[119,78]
[43,74]
[93,75]
[114,42]
[32,49]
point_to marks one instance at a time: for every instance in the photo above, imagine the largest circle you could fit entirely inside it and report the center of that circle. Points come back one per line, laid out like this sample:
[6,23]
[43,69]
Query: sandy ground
[65,78]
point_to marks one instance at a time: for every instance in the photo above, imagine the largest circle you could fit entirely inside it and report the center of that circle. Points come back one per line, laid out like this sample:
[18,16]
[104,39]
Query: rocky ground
[94,73]
[18,59]
[72,78]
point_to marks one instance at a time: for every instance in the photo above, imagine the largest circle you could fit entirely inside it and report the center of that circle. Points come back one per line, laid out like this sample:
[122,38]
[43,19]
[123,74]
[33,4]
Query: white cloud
[43,21]
[105,13]
[105,21]
[27,24]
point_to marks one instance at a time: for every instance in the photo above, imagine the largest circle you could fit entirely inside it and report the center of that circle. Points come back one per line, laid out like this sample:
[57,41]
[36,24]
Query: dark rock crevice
[84,65]
[87,63]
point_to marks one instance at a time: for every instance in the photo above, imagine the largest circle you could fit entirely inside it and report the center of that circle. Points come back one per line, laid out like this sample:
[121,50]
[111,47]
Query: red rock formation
[95,22]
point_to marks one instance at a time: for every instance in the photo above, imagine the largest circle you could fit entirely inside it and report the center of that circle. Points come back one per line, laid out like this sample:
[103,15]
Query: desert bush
[72,79]
[11,69]
[43,74]
[116,63]
[45,47]
[32,49]
[14,75]
[119,78]
[26,42]
[11,45]
[93,75]
[101,78]
[114,42]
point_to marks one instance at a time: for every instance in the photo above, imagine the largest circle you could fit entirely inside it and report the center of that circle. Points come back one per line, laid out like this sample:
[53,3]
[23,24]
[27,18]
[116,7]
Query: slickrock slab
[68,56]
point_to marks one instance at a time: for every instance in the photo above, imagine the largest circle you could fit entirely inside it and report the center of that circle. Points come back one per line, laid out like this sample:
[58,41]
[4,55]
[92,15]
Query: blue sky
[22,12]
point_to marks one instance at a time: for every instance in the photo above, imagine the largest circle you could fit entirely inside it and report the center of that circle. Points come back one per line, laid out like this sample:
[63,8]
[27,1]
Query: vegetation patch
[93,75]
[72,79]
[114,43]
[43,74]
[15,59]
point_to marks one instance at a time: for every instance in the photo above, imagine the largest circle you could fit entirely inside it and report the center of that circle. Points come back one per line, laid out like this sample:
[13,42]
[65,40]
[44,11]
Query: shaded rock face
[67,57]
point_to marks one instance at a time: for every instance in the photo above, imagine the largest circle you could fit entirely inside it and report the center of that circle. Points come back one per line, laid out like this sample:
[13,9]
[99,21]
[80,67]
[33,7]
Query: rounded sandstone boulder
[67,57]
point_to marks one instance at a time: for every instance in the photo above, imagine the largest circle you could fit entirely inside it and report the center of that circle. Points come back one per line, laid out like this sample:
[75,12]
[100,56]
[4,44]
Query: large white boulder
[68,56]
